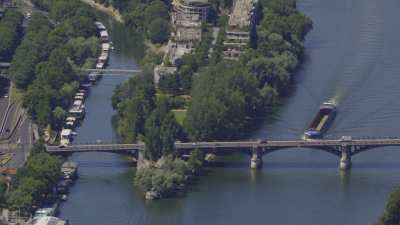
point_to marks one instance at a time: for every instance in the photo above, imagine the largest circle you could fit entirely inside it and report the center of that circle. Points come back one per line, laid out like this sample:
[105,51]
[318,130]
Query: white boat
[100,66]
[93,77]
[64,197]
[99,25]
[103,58]
[105,47]
[104,35]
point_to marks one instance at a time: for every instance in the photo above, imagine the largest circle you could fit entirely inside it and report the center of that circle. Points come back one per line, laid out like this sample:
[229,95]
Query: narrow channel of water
[351,56]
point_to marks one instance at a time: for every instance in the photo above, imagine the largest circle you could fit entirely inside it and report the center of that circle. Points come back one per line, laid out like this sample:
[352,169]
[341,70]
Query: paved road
[23,135]
[10,121]
[4,89]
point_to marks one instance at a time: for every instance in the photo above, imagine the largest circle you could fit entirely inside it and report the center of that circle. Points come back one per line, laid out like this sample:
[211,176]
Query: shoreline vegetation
[33,184]
[45,67]
[391,214]
[226,97]
[110,10]
[45,73]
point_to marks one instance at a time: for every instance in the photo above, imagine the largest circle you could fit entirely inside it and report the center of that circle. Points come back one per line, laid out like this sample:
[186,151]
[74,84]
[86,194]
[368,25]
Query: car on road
[346,138]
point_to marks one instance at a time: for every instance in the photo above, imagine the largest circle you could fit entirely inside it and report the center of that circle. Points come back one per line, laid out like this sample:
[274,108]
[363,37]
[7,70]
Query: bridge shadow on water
[246,164]
[305,165]
[106,164]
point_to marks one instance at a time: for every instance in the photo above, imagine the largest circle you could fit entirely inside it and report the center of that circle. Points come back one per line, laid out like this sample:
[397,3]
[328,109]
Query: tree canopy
[44,65]
[391,215]
[39,175]
[10,33]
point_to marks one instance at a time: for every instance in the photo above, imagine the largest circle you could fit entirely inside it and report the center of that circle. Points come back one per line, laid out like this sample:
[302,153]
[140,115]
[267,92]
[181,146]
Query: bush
[165,177]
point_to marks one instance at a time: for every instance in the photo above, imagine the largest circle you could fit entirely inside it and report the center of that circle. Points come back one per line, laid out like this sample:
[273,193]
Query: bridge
[344,148]
[112,71]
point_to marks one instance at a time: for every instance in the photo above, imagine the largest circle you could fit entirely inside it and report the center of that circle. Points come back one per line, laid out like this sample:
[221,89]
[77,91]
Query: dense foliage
[168,174]
[227,98]
[391,216]
[34,181]
[224,98]
[150,17]
[45,63]
[10,33]
[181,81]
[134,101]
[30,52]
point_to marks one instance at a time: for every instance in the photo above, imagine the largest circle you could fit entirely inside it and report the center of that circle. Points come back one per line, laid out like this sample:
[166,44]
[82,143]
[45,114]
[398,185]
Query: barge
[321,122]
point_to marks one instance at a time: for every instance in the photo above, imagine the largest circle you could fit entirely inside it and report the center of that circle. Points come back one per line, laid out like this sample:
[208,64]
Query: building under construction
[190,10]
[241,24]
[188,16]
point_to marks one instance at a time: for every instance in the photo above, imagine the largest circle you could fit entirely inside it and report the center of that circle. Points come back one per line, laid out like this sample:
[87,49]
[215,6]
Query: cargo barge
[321,122]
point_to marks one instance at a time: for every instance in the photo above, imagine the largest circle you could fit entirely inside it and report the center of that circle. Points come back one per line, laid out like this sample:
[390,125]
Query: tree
[170,83]
[39,101]
[225,98]
[36,178]
[195,161]
[10,33]
[153,140]
[31,51]
[391,215]
[169,132]
[156,8]
[58,118]
[158,30]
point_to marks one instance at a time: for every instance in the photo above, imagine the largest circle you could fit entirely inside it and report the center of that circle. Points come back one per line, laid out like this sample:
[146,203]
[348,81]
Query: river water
[351,57]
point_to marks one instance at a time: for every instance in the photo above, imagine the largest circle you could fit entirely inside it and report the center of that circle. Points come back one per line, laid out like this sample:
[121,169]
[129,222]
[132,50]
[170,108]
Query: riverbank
[307,176]
[227,97]
[110,10]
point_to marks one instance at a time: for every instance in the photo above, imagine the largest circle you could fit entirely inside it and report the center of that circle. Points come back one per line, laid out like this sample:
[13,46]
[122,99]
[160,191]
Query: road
[4,89]
[8,119]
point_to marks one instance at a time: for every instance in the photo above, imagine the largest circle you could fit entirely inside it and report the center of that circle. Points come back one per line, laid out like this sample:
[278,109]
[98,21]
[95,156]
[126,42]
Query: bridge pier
[256,158]
[345,158]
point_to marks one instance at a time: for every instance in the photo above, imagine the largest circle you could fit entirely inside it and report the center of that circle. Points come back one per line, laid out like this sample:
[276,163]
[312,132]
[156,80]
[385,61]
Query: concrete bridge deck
[112,71]
[343,148]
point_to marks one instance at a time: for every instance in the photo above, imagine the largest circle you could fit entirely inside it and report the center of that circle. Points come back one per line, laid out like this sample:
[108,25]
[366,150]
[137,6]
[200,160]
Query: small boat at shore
[100,66]
[99,25]
[322,120]
[64,197]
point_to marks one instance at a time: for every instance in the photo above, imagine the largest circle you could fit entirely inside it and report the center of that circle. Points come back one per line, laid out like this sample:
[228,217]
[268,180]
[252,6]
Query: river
[351,58]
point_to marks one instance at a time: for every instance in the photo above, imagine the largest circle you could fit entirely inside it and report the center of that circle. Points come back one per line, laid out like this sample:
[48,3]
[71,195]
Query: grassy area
[180,115]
